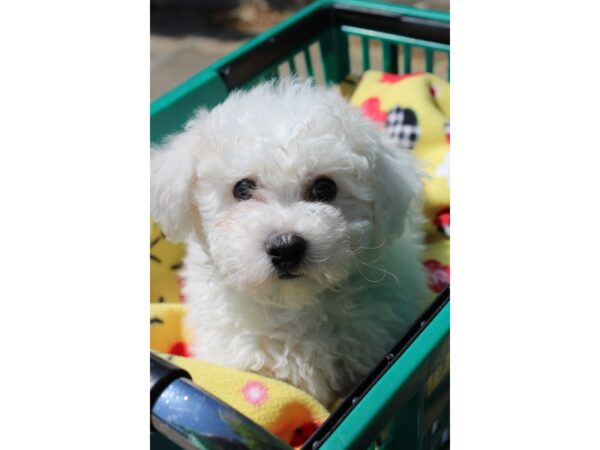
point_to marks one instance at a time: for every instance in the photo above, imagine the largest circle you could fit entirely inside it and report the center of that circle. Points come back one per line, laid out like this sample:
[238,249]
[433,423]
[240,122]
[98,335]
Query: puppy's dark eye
[323,190]
[243,189]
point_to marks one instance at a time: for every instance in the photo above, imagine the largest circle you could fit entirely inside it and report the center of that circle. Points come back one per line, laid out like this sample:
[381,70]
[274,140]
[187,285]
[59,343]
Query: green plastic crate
[404,403]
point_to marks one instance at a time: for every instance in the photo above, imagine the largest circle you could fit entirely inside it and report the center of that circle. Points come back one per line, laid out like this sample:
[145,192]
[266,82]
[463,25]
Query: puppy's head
[283,185]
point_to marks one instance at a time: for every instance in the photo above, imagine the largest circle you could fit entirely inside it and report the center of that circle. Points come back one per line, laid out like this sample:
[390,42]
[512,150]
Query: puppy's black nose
[286,251]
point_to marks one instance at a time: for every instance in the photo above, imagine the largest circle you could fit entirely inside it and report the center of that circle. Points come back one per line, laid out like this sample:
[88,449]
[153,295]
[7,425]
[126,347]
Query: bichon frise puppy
[303,242]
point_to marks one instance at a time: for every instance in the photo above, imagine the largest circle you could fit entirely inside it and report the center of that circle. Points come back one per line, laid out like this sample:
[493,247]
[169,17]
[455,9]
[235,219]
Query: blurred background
[188,35]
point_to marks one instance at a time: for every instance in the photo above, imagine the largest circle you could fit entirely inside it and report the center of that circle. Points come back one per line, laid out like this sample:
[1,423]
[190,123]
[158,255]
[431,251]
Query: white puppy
[303,249]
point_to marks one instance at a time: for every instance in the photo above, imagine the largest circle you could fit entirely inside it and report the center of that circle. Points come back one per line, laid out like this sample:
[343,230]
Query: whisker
[385,272]
[364,247]
[364,276]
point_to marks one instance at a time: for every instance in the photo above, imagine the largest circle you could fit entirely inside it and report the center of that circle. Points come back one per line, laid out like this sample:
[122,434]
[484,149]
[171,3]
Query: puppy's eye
[243,189]
[323,190]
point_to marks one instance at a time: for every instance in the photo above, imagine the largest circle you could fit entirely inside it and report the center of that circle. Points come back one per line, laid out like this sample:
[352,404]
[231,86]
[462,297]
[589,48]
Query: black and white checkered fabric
[401,125]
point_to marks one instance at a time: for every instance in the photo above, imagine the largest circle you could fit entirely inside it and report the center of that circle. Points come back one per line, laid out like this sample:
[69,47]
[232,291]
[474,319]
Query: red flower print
[255,392]
[302,433]
[438,275]
[179,348]
[371,109]
[392,78]
[389,78]
[442,221]
[433,90]
[181,282]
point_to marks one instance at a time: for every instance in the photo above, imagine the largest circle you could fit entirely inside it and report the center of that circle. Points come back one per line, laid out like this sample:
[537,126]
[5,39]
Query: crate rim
[408,357]
[220,67]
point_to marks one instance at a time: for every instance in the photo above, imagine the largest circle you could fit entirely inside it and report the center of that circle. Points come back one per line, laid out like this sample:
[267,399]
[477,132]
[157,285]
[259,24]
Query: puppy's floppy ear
[172,174]
[397,184]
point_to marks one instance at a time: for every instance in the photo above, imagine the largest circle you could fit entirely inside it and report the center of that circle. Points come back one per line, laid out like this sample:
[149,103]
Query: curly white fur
[362,280]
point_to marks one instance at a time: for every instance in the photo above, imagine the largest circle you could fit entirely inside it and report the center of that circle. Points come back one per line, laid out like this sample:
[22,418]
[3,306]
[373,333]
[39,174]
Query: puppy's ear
[172,174]
[397,185]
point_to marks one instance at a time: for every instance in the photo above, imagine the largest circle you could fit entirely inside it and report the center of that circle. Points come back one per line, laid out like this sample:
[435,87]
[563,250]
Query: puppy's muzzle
[286,251]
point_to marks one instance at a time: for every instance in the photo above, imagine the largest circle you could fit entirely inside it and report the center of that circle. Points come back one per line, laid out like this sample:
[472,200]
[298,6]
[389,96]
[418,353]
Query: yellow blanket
[414,110]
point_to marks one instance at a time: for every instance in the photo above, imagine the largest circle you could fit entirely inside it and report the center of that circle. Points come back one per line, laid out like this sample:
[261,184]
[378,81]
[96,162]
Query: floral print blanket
[414,110]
